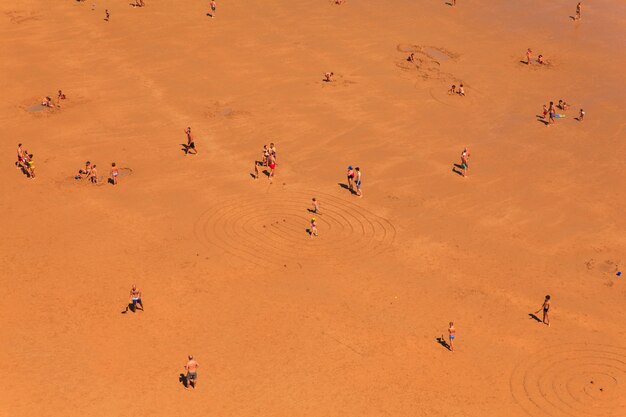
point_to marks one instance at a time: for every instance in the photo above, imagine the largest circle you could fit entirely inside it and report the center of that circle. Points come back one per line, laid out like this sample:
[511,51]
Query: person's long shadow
[458,169]
[533,317]
[183,380]
[345,187]
[443,342]
[540,119]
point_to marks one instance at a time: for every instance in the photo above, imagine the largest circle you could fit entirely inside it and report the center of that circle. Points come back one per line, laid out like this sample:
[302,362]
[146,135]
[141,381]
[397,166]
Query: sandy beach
[348,323]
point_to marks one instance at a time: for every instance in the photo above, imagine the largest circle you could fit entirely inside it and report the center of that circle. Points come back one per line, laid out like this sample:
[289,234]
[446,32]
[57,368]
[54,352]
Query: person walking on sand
[579,7]
[113,174]
[192,372]
[313,228]
[357,182]
[213,8]
[350,176]
[581,115]
[465,161]
[529,56]
[316,206]
[135,299]
[545,111]
[451,334]
[266,155]
[546,310]
[191,145]
[461,90]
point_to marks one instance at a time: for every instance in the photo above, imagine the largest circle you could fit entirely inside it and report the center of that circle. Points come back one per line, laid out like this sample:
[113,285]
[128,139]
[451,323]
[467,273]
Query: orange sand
[346,324]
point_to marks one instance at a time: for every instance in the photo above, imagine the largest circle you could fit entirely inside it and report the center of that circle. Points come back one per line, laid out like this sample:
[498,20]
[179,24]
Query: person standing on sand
[213,7]
[552,113]
[106,13]
[135,299]
[581,115]
[192,372]
[451,334]
[272,165]
[93,175]
[191,145]
[546,310]
[529,56]
[350,177]
[465,161]
[313,228]
[20,156]
[114,173]
[357,182]
[578,10]
[545,111]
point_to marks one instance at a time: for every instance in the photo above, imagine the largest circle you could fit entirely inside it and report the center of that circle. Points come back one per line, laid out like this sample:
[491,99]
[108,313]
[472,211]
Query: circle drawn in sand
[271,230]
[572,380]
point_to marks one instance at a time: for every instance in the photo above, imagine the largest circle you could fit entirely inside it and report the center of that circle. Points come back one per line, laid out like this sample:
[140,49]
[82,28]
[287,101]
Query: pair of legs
[192,379]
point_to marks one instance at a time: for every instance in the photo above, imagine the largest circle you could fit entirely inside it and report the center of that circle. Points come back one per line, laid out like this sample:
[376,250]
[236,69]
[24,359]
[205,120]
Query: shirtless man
[350,177]
[328,76]
[552,113]
[20,157]
[529,56]
[93,175]
[266,155]
[357,182]
[546,310]
[272,150]
[451,334]
[578,10]
[114,173]
[192,372]
[135,299]
[191,145]
[271,163]
[465,161]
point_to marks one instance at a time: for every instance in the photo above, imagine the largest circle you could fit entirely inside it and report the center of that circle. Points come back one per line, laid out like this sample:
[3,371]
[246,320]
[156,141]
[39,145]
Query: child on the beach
[327,76]
[540,60]
[581,115]
[93,175]
[313,229]
[545,111]
[316,206]
[461,90]
[452,89]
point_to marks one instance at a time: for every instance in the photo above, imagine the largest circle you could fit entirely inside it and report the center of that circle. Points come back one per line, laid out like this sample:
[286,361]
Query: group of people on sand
[529,57]
[48,102]
[460,91]
[268,159]
[354,180]
[551,109]
[90,172]
[25,162]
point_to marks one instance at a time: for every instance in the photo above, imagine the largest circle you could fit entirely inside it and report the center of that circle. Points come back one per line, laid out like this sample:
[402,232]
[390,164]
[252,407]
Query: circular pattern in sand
[272,229]
[573,380]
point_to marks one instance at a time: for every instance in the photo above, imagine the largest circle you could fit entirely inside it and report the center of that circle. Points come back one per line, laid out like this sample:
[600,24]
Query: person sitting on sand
[461,90]
[84,172]
[411,57]
[46,101]
[540,60]
[61,95]
[327,76]
[452,89]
